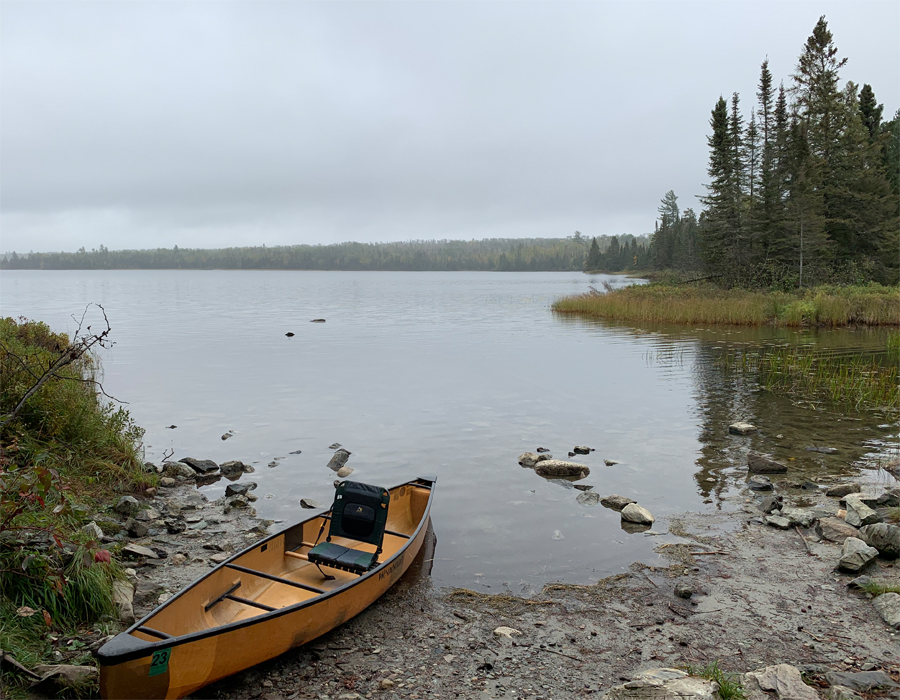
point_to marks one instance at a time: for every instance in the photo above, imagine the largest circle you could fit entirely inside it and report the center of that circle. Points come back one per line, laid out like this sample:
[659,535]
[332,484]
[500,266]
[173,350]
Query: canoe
[260,603]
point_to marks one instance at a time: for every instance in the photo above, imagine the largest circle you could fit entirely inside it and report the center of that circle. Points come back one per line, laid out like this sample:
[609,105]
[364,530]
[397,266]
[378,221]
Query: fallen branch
[803,539]
[559,653]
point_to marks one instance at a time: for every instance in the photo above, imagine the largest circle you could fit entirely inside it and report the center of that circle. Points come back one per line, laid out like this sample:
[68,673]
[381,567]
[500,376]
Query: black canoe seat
[359,513]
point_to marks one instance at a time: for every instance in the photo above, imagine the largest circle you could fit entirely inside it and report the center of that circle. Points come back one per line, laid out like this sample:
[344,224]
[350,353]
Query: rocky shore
[780,586]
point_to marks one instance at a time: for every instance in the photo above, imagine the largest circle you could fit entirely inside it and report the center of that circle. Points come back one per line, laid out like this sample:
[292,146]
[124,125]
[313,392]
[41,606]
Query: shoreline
[761,596]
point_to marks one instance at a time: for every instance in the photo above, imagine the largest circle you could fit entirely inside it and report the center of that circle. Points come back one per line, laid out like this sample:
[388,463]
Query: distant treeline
[494,254]
[805,192]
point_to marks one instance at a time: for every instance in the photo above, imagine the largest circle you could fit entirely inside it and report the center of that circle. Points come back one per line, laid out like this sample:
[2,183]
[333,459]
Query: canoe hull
[189,665]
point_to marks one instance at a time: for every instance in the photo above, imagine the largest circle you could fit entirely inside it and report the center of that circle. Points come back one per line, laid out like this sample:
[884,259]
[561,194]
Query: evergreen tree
[719,224]
[871,111]
[593,258]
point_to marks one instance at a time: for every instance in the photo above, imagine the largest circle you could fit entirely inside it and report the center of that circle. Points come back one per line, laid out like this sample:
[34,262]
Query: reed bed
[873,305]
[868,382]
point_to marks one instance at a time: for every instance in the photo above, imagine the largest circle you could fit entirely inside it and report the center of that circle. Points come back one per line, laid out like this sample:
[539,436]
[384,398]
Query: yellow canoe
[258,604]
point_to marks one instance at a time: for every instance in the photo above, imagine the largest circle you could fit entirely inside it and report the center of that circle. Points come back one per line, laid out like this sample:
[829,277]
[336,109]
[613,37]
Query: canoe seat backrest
[359,512]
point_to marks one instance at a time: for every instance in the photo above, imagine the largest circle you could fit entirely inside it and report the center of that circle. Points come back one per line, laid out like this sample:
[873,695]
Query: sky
[213,124]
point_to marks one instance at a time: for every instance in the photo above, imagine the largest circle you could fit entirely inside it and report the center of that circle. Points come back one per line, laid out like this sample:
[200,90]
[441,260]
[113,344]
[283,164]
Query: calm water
[454,374]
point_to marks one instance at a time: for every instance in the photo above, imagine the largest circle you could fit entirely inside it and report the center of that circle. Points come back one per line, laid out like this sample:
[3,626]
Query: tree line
[494,254]
[804,191]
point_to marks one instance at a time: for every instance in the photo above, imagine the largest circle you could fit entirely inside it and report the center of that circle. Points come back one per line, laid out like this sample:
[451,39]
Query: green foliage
[880,586]
[730,686]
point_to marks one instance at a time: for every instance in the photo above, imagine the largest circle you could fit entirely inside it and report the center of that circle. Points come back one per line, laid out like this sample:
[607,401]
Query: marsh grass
[730,686]
[822,306]
[852,381]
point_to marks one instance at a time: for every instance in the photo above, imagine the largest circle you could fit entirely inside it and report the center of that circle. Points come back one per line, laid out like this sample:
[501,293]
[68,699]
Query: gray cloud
[157,123]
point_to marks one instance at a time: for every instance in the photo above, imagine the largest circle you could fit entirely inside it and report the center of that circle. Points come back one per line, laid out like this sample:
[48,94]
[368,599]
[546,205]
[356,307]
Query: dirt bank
[759,598]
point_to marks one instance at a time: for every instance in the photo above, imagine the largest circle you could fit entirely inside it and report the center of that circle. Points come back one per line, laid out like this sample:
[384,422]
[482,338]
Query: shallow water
[453,374]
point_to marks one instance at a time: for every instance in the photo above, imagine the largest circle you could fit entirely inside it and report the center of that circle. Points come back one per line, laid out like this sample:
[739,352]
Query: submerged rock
[758,482]
[234,467]
[582,450]
[530,459]
[764,464]
[556,468]
[741,428]
[633,513]
[588,498]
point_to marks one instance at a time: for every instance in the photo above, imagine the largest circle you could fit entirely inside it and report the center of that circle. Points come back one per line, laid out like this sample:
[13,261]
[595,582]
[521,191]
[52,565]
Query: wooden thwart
[272,577]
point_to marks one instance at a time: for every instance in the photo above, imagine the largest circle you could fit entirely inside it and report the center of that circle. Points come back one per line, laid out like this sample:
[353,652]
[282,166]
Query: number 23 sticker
[159,662]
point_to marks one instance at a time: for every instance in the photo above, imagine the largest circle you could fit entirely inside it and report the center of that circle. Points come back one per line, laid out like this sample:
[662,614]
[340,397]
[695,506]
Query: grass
[68,453]
[829,306]
[853,381]
[730,686]
[878,587]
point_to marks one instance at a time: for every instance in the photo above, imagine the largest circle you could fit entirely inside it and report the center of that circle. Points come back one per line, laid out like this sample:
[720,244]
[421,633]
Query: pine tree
[593,258]
[769,191]
[717,230]
[871,111]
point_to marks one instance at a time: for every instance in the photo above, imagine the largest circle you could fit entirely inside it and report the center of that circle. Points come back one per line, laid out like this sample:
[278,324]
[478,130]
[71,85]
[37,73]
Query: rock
[167,482]
[583,487]
[683,590]
[582,450]
[611,462]
[136,528]
[310,503]
[147,514]
[633,513]
[541,450]
[556,468]
[856,554]
[295,452]
[338,459]
[861,681]
[127,505]
[530,459]
[146,592]
[318,320]
[798,516]
[63,678]
[778,521]
[150,492]
[557,535]
[137,550]
[151,468]
[231,503]
[758,482]
[883,537]
[178,470]
[344,472]
[860,582]
[840,692]
[202,524]
[889,499]
[588,498]
[615,502]
[741,428]
[252,497]
[171,427]
[562,483]
[888,606]
[771,503]
[202,466]
[507,632]
[334,446]
[835,530]
[841,490]
[764,464]
[228,434]
[233,467]
[93,531]
[823,450]
[123,595]
[810,486]
[175,525]
[386,684]
[858,513]
[240,489]
[784,680]
[219,558]
[664,684]
[178,559]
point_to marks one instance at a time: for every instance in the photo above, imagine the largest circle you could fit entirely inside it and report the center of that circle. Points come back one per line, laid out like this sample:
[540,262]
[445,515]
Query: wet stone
[770,504]
[764,464]
[758,482]
[841,490]
[741,428]
[778,521]
[615,502]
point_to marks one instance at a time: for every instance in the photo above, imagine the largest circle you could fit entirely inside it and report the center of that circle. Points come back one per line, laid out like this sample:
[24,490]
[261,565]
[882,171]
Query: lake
[453,374]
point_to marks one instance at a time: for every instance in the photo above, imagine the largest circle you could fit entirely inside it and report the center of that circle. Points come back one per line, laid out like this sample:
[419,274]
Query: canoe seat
[359,513]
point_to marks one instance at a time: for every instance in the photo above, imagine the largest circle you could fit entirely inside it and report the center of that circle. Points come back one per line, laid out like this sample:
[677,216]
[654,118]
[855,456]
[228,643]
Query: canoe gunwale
[135,648]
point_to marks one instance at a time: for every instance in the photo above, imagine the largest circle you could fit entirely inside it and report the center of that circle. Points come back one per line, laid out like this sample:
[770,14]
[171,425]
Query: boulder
[530,459]
[741,428]
[764,464]
[855,555]
[883,537]
[858,513]
[240,489]
[201,466]
[178,470]
[861,681]
[665,684]
[841,490]
[556,468]
[783,680]
[888,606]
[123,595]
[633,513]
[339,459]
[758,482]
[233,467]
[588,498]
[615,502]
[835,530]
[778,521]
[798,516]
[127,505]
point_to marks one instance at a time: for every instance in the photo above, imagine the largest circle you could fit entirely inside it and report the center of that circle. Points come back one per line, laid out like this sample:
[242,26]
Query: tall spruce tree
[769,192]
[871,111]
[717,234]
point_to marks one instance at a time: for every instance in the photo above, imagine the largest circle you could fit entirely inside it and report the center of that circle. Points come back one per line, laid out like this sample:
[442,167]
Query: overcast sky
[145,124]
